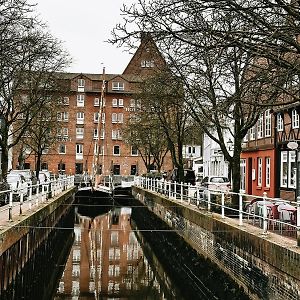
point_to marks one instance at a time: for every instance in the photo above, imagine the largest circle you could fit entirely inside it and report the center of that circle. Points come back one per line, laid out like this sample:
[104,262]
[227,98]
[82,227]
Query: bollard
[240,208]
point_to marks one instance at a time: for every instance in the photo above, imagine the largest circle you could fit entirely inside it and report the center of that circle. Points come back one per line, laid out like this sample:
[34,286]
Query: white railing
[270,214]
[34,195]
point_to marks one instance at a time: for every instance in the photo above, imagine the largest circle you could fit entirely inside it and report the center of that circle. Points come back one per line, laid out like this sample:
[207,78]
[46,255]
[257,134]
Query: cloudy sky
[84,26]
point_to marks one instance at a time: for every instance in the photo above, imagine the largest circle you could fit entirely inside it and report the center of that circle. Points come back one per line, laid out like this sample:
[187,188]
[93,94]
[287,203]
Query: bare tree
[29,59]
[228,84]
[146,135]
[162,97]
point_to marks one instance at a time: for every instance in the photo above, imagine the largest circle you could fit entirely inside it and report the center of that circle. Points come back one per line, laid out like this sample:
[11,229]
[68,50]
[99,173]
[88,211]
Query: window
[116,170]
[96,117]
[252,133]
[116,134]
[120,118]
[66,101]
[147,63]
[62,149]
[79,133]
[134,151]
[133,170]
[279,122]
[117,118]
[288,169]
[61,167]
[80,118]
[80,100]
[117,86]
[268,171]
[284,169]
[259,171]
[267,123]
[95,134]
[260,127]
[96,102]
[114,102]
[292,169]
[116,150]
[117,102]
[243,174]
[65,132]
[295,119]
[81,82]
[79,151]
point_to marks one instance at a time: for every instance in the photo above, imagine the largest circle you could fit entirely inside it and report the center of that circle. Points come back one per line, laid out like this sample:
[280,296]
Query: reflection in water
[107,261]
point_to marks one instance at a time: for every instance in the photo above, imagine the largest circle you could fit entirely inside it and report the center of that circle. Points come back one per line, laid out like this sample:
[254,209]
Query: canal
[119,250]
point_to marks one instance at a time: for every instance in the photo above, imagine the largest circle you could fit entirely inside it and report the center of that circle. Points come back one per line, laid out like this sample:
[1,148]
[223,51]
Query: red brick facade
[79,118]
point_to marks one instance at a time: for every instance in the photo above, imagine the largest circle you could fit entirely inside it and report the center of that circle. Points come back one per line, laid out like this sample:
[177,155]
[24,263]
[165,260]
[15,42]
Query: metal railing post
[188,193]
[181,191]
[169,189]
[10,205]
[223,205]
[240,208]
[265,221]
[208,200]
[30,196]
[298,220]
[21,202]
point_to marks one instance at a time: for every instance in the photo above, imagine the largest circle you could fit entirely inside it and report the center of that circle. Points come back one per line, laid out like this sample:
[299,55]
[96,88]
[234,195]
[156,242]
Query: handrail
[35,194]
[252,209]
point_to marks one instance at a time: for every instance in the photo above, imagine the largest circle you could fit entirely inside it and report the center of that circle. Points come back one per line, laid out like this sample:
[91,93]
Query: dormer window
[81,83]
[147,63]
[118,86]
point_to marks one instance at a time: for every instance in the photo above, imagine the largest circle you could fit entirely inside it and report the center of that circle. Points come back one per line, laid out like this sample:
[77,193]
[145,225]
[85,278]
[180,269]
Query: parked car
[216,183]
[17,184]
[4,196]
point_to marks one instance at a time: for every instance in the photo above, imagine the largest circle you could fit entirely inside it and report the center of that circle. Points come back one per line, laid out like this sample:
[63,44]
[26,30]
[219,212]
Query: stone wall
[265,268]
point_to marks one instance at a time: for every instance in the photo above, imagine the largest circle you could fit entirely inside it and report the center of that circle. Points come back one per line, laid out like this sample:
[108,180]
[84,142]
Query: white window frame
[114,102]
[120,117]
[114,118]
[79,151]
[96,102]
[279,122]
[134,151]
[114,152]
[65,131]
[268,123]
[81,82]
[80,117]
[283,171]
[96,117]
[252,133]
[295,119]
[259,127]
[259,171]
[79,133]
[80,100]
[66,100]
[268,171]
[62,147]
[95,136]
[118,86]
[292,170]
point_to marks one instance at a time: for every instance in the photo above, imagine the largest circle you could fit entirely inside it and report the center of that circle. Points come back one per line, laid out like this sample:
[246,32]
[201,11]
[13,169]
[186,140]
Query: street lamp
[294,146]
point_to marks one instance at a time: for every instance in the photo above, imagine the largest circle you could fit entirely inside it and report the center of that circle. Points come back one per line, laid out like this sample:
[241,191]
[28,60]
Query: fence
[270,214]
[34,195]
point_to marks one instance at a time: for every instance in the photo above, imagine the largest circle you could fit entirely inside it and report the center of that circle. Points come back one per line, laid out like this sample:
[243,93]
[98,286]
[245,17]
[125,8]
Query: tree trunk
[4,163]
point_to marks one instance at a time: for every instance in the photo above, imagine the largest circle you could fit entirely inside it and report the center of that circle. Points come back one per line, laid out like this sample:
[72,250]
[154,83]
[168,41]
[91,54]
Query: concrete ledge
[11,232]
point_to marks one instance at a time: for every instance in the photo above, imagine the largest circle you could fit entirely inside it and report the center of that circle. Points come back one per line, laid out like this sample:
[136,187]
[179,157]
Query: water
[104,251]
[128,253]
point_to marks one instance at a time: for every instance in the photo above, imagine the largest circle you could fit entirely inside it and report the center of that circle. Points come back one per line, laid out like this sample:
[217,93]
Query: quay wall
[266,266]
[20,238]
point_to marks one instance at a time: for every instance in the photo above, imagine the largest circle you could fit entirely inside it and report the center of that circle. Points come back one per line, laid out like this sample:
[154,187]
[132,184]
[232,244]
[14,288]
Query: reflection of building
[107,260]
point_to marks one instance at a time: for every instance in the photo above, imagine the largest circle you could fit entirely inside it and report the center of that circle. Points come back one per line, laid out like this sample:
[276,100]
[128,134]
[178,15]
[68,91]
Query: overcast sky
[84,26]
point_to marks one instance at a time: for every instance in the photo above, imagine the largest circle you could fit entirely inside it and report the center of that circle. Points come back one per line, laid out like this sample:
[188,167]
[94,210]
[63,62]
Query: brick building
[79,117]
